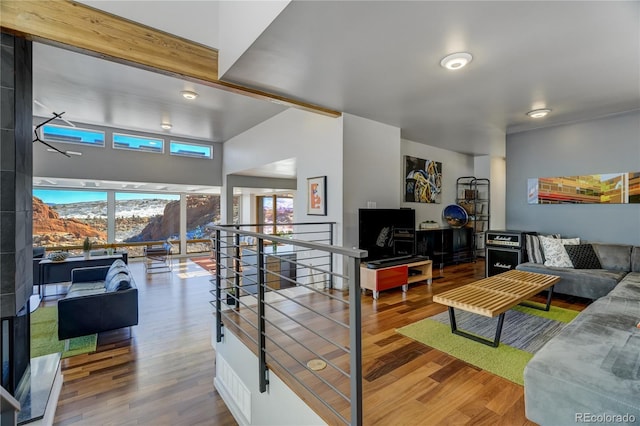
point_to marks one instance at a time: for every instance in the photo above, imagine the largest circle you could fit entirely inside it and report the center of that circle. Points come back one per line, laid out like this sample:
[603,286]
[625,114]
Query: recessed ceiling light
[539,113]
[166,126]
[455,61]
[189,94]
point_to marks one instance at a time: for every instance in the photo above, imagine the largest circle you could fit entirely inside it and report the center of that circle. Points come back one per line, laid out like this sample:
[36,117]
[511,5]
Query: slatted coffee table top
[494,295]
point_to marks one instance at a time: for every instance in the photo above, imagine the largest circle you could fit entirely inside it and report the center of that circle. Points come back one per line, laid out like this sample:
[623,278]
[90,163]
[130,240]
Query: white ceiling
[374,59]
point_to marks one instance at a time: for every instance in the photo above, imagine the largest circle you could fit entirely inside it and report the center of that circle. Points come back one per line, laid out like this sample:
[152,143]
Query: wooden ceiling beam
[83,29]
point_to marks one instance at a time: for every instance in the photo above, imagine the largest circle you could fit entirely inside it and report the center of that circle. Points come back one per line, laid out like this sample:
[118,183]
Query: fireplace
[15,338]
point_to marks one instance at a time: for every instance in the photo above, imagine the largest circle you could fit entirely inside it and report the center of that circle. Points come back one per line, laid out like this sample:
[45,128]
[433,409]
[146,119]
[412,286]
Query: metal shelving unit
[474,195]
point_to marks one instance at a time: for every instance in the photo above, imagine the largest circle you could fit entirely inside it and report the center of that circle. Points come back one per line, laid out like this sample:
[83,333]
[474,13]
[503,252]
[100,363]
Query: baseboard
[230,402]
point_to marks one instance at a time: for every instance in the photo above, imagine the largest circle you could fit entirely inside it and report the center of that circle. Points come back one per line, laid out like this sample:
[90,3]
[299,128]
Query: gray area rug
[520,330]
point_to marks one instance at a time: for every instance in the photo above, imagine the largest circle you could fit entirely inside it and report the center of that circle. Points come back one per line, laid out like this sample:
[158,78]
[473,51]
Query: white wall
[240,23]
[606,145]
[315,141]
[371,172]
[237,380]
[454,165]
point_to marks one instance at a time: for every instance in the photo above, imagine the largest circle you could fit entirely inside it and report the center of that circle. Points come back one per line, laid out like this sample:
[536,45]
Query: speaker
[499,260]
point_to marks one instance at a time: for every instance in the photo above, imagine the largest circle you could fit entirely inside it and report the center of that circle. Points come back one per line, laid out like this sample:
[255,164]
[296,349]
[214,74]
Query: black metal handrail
[264,323]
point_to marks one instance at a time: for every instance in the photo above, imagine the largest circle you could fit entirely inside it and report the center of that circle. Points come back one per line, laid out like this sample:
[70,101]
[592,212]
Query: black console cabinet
[445,246]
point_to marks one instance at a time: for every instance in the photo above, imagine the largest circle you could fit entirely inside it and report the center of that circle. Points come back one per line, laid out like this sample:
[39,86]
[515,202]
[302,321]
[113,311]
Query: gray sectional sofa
[590,372]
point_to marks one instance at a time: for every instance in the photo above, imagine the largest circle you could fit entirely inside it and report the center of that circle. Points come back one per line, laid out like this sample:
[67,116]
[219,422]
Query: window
[66,217]
[201,210]
[146,217]
[138,143]
[279,217]
[54,133]
[191,150]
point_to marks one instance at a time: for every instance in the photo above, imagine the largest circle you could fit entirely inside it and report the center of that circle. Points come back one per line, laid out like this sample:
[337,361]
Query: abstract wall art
[606,188]
[423,180]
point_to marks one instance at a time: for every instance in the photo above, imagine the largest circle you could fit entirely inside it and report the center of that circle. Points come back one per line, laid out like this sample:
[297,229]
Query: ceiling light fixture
[166,126]
[539,113]
[189,94]
[455,61]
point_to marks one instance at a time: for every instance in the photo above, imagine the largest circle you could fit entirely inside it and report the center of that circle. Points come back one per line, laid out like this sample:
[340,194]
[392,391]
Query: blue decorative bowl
[455,216]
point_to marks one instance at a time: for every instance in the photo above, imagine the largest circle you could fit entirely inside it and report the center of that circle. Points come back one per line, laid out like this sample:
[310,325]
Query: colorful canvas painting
[606,188]
[423,180]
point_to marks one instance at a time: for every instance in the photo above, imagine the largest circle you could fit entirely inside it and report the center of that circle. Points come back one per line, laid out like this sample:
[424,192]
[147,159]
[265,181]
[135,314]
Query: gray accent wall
[125,165]
[606,145]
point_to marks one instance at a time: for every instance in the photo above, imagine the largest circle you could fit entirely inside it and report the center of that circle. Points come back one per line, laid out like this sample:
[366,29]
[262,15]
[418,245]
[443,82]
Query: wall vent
[234,387]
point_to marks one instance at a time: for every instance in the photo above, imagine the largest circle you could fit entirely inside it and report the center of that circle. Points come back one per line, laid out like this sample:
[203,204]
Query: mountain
[200,211]
[50,229]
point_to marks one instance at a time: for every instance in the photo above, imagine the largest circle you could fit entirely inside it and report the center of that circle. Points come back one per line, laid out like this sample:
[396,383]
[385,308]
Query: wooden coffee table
[495,295]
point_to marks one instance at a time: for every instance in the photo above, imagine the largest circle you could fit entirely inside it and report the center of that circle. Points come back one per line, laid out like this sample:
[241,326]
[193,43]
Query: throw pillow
[119,281]
[583,256]
[534,247]
[555,253]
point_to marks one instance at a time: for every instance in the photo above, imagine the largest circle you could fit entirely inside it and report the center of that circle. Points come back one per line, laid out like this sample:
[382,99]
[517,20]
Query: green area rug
[525,330]
[44,336]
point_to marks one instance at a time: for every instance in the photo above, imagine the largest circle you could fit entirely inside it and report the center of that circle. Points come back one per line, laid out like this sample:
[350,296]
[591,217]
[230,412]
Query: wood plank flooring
[162,374]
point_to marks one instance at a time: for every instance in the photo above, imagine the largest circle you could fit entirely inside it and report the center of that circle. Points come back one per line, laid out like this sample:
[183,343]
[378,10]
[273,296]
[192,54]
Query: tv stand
[411,270]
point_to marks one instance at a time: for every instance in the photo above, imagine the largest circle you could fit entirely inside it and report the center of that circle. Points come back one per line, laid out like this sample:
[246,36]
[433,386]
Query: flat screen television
[387,233]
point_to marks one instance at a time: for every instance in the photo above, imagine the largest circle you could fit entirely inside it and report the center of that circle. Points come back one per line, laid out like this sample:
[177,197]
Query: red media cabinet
[402,275]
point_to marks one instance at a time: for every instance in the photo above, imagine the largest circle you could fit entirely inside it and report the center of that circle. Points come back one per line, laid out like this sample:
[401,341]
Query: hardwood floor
[160,374]
[164,373]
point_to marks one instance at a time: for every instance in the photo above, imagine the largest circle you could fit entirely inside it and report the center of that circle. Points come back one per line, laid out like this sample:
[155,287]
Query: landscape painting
[606,188]
[423,180]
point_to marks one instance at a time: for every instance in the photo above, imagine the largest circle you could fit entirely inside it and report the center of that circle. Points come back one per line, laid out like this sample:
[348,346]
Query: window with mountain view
[65,217]
[146,217]
[276,210]
[201,210]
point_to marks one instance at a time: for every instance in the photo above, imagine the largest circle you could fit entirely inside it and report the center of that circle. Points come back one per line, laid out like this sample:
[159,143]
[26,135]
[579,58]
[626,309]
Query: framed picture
[423,180]
[317,196]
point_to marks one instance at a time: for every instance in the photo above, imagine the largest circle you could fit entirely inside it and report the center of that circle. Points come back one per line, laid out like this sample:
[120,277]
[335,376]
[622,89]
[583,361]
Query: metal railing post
[355,342]
[236,263]
[262,350]
[331,278]
[218,289]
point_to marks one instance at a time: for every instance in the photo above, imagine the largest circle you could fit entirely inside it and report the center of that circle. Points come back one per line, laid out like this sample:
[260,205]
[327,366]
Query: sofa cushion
[628,288]
[616,257]
[79,291]
[583,256]
[588,283]
[118,266]
[119,281]
[635,259]
[554,251]
[591,366]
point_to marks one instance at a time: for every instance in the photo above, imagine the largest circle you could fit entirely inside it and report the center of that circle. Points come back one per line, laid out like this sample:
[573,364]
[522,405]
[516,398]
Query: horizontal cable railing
[296,302]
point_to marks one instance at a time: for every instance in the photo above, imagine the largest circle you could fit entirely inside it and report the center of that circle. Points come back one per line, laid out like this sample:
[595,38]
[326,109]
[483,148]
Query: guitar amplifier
[504,250]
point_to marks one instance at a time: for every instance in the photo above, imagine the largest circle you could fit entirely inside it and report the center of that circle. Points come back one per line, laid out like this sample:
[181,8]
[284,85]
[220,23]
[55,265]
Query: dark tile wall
[16,211]
[16,173]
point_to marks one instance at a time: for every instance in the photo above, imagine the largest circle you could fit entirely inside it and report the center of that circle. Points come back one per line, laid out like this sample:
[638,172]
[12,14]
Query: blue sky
[56,196]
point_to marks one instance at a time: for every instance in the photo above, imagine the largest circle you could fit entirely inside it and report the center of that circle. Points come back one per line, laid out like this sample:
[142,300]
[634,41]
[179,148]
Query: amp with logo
[504,250]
